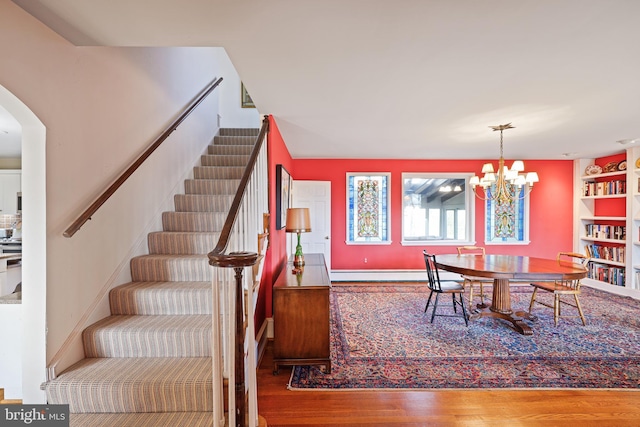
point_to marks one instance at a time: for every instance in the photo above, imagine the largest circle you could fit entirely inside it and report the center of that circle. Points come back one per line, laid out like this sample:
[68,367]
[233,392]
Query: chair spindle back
[432,271]
[572,257]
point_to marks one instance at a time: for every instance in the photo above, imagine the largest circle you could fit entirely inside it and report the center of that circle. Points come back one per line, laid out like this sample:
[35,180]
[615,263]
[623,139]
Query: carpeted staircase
[149,363]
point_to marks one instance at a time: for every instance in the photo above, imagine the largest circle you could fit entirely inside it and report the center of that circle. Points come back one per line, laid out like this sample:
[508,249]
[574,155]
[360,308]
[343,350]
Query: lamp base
[298,260]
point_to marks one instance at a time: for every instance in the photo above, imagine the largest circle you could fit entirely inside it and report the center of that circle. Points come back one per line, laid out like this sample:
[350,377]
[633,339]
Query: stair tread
[171,257]
[186,233]
[161,298]
[203,202]
[182,242]
[130,335]
[112,370]
[171,267]
[193,221]
[175,321]
[137,384]
[182,286]
[191,419]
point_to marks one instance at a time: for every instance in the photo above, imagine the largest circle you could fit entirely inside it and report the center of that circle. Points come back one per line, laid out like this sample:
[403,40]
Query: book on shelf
[605,188]
[607,274]
[604,252]
[604,231]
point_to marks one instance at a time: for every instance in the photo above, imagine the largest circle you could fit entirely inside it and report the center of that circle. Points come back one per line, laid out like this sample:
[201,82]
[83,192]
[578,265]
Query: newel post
[238,261]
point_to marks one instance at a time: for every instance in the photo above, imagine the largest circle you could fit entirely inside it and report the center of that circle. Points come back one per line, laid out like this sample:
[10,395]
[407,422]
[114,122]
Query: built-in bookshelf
[608,212]
[603,217]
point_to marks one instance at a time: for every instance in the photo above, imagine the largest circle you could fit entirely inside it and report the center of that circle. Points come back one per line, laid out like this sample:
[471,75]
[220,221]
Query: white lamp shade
[475,180]
[517,166]
[532,177]
[489,177]
[487,168]
[511,175]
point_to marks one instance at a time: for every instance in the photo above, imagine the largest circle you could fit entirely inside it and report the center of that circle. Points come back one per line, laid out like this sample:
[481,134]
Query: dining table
[504,270]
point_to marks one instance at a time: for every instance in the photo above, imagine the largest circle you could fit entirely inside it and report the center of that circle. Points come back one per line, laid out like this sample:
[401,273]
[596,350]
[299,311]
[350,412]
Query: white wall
[232,115]
[10,354]
[101,107]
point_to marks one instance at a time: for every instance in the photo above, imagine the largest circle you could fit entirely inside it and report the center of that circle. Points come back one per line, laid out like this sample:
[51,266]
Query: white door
[315,195]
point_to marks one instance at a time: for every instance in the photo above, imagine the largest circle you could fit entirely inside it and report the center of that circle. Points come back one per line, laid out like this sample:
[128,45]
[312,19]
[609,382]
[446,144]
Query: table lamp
[298,221]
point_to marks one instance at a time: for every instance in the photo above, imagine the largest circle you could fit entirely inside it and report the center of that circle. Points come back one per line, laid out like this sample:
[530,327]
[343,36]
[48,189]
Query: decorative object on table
[283,196]
[610,167]
[299,271]
[298,221]
[593,170]
[507,183]
[622,166]
[380,339]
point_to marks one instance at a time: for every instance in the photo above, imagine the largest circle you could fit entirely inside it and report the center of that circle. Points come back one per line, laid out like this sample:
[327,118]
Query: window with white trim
[436,208]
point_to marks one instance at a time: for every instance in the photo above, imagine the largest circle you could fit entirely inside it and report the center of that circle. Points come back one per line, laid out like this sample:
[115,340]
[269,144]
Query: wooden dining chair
[473,280]
[448,287]
[561,287]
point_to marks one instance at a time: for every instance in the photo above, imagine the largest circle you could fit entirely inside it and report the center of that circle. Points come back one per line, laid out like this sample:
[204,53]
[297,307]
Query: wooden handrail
[217,254]
[86,215]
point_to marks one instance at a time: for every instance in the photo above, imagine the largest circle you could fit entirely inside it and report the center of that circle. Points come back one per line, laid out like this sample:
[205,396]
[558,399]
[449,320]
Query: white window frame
[469,208]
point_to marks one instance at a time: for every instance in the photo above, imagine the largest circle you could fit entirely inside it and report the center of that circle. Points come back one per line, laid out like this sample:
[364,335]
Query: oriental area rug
[381,338]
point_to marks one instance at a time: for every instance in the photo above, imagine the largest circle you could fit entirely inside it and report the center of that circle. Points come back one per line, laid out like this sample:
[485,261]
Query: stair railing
[93,208]
[235,295]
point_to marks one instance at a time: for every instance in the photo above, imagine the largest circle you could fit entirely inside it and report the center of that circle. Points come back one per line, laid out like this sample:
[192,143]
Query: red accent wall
[275,256]
[551,210]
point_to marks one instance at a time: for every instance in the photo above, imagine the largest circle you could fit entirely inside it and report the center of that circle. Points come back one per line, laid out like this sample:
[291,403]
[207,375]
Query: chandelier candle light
[298,221]
[506,178]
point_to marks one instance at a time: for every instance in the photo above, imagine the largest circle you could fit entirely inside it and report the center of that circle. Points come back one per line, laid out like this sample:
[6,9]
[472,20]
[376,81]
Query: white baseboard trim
[387,275]
[261,342]
[618,290]
[421,276]
[269,324]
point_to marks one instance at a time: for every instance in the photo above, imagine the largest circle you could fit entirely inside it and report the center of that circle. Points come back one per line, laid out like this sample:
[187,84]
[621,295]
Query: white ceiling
[405,79]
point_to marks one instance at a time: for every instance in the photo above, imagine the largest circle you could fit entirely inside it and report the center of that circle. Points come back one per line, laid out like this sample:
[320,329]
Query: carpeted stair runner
[149,363]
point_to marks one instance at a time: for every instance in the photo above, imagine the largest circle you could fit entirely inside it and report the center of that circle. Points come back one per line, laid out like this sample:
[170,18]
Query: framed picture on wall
[283,196]
[245,98]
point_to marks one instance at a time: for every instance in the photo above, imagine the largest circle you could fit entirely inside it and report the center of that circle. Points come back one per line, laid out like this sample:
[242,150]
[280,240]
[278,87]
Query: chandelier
[506,185]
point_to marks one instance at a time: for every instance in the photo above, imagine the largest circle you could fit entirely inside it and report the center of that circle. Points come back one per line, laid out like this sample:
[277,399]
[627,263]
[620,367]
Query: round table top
[516,267]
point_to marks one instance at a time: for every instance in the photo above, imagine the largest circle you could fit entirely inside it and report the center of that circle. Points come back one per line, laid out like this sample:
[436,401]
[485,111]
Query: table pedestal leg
[501,308]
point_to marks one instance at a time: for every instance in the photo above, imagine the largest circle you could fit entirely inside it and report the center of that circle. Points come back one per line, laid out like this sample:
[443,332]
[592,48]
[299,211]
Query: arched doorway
[34,255]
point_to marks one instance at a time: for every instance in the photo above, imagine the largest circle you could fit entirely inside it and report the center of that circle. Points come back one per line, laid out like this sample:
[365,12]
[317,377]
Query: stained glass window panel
[368,208]
[506,222]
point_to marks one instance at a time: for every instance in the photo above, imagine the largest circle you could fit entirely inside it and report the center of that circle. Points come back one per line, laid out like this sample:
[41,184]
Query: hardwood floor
[510,408]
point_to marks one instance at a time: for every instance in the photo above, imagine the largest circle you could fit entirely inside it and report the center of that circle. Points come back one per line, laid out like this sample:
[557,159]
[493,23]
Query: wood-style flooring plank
[510,408]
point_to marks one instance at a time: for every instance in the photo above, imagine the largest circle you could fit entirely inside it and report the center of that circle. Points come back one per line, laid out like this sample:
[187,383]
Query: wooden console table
[301,315]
